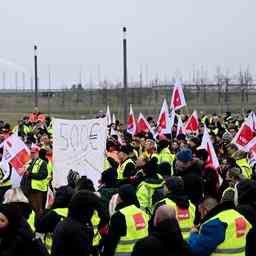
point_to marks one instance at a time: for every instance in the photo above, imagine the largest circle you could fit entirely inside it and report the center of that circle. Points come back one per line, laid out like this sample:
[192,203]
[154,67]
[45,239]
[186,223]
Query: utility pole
[23,81]
[49,91]
[4,80]
[125,76]
[36,77]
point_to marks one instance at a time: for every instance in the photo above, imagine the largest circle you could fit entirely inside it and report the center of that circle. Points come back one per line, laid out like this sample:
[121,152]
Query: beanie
[184,155]
[127,193]
[175,184]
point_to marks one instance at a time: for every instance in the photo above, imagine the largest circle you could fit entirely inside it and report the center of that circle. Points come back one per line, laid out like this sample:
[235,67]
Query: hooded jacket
[74,235]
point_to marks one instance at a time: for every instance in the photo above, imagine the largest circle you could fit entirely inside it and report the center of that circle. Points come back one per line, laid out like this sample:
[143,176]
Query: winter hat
[82,205]
[236,173]
[127,149]
[175,184]
[85,184]
[63,196]
[127,193]
[184,155]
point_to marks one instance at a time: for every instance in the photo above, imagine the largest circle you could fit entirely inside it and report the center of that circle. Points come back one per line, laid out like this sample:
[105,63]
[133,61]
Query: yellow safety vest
[41,185]
[144,194]
[31,221]
[50,171]
[166,156]
[185,217]
[8,182]
[63,212]
[235,236]
[121,168]
[245,167]
[137,228]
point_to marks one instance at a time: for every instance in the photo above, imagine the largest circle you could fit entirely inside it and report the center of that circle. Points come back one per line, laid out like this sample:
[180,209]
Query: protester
[222,230]
[74,235]
[175,197]
[166,238]
[127,224]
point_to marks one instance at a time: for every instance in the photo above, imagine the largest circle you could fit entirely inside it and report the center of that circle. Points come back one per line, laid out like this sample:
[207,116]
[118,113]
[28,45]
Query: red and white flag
[178,99]
[170,123]
[245,134]
[131,122]
[163,118]
[192,125]
[207,145]
[143,125]
[108,116]
[50,199]
[180,127]
[16,153]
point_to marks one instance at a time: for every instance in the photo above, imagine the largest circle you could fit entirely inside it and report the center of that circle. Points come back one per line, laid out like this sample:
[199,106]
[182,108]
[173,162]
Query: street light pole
[36,77]
[125,92]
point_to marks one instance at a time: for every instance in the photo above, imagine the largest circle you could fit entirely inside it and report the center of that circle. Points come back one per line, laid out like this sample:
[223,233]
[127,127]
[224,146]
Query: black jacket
[166,240]
[71,238]
[193,182]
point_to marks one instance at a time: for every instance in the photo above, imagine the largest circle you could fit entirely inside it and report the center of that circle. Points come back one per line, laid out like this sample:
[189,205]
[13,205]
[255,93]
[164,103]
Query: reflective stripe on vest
[185,217]
[40,185]
[121,168]
[31,221]
[95,222]
[235,235]
[137,228]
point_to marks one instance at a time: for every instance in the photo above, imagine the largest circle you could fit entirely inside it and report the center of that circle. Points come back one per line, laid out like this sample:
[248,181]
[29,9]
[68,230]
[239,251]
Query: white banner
[78,145]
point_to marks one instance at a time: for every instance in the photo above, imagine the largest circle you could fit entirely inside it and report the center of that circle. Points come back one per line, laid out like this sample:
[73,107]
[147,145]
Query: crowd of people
[158,195]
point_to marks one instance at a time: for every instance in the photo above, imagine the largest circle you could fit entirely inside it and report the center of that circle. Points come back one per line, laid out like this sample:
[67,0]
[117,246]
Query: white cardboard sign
[78,145]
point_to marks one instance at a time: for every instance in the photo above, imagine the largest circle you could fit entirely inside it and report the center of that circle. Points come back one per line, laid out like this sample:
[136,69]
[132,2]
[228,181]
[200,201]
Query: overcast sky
[166,38]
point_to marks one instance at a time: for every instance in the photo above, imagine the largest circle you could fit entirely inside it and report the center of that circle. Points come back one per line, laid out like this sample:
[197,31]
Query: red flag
[131,122]
[143,125]
[192,125]
[178,99]
[164,116]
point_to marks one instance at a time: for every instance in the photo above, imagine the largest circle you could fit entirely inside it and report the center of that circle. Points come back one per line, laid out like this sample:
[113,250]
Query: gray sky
[165,38]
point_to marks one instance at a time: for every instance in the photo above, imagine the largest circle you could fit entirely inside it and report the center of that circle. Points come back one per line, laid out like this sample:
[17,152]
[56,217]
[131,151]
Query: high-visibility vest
[166,156]
[8,182]
[185,217]
[63,212]
[41,185]
[31,221]
[95,222]
[27,129]
[137,228]
[235,235]
[245,167]
[50,171]
[145,193]
[121,168]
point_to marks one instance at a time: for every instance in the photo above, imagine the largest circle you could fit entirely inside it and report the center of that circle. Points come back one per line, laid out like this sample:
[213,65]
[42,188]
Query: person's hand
[1,182]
